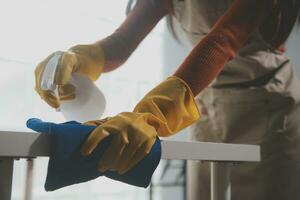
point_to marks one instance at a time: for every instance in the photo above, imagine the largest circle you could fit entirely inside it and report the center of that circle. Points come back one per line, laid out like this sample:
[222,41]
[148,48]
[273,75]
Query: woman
[251,93]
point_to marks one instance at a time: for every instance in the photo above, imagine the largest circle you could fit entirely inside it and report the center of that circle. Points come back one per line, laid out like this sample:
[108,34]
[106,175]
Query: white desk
[14,145]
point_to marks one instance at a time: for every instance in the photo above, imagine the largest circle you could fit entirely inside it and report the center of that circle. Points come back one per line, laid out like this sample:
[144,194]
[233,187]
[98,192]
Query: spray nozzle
[48,76]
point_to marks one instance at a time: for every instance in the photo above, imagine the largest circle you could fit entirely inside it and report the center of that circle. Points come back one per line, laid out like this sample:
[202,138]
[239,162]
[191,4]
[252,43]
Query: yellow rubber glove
[133,135]
[84,59]
[173,103]
[165,110]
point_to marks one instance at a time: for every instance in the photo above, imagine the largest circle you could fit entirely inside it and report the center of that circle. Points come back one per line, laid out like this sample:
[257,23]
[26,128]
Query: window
[30,31]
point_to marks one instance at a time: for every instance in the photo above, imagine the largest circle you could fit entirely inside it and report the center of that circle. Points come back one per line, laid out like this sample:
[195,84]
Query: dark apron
[255,100]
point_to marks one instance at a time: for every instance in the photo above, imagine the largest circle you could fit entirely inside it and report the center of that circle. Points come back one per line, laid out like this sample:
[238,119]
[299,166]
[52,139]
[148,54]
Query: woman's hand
[84,59]
[133,135]
[164,111]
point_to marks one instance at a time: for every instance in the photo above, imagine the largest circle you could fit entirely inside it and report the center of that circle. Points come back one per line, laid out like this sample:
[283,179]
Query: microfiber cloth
[67,167]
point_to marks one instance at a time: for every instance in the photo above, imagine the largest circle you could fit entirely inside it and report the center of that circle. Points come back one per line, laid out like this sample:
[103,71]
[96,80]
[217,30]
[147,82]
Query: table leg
[6,176]
[29,180]
[220,180]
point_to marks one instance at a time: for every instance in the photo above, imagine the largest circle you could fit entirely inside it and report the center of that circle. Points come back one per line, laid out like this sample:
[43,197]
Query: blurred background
[31,30]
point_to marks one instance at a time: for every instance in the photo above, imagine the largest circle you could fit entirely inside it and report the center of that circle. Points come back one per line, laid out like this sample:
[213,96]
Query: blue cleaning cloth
[67,167]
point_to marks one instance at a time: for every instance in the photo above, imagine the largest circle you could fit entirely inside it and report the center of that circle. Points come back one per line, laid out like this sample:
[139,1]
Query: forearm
[228,35]
[141,20]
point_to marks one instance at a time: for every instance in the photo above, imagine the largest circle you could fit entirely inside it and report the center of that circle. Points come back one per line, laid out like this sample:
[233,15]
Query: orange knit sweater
[208,57]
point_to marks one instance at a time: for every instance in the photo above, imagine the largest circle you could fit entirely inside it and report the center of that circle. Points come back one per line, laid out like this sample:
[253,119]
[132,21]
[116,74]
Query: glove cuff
[173,103]
[90,60]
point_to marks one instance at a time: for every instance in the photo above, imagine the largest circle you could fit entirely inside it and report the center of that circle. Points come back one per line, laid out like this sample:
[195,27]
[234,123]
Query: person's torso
[255,65]
[196,17]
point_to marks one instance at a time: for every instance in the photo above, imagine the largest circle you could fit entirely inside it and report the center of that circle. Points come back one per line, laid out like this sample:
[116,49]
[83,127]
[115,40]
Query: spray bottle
[89,101]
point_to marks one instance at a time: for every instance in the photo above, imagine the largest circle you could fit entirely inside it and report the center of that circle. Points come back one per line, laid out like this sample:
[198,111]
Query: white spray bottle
[89,103]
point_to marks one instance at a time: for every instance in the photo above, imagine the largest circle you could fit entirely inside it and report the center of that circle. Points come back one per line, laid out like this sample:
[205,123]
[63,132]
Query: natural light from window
[30,31]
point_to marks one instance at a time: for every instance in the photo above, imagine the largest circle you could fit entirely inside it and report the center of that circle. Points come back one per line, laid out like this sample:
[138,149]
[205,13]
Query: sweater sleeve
[140,21]
[228,35]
